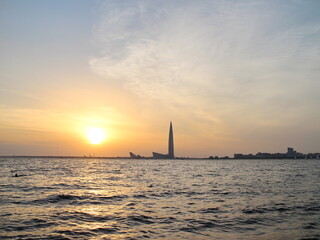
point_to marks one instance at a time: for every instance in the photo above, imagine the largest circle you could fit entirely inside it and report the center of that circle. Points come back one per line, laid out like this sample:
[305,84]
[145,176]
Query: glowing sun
[96,135]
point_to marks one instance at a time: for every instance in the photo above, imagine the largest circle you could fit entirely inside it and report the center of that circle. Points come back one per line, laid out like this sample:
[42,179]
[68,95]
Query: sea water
[75,198]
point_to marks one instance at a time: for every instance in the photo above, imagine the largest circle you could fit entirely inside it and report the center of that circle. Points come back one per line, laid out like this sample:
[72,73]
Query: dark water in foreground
[159,199]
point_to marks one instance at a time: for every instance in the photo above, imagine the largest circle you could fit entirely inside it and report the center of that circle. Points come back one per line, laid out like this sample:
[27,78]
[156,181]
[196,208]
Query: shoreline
[152,158]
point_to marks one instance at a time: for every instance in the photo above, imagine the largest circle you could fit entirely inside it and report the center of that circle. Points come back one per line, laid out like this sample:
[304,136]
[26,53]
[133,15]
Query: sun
[95,135]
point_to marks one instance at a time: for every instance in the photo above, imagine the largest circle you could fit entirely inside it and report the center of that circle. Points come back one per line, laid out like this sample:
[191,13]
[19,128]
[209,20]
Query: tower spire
[171,145]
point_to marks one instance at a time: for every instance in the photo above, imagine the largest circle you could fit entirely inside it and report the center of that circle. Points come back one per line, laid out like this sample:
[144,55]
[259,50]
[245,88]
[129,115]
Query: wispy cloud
[217,59]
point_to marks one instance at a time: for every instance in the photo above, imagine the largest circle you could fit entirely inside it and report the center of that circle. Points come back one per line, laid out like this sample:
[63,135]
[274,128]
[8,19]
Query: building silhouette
[170,143]
[290,154]
[132,155]
[156,155]
[170,154]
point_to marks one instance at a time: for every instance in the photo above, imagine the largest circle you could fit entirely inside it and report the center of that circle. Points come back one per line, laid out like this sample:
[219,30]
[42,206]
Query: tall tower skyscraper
[170,153]
[171,145]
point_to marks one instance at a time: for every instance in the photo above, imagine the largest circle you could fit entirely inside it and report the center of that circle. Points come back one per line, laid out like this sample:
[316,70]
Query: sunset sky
[233,76]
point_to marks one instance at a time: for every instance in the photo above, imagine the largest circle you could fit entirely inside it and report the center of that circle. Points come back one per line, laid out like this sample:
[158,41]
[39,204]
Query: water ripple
[176,199]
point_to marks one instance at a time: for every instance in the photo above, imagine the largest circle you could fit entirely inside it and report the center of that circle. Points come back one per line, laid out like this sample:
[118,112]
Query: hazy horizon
[232,76]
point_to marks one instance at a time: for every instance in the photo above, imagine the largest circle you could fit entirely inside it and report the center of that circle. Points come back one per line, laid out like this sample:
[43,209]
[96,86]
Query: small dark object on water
[18,175]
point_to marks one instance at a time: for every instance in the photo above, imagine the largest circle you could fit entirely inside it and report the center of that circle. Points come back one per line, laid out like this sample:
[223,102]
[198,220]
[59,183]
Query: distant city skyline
[233,76]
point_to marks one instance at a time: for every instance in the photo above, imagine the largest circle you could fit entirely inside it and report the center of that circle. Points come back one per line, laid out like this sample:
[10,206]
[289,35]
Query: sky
[233,76]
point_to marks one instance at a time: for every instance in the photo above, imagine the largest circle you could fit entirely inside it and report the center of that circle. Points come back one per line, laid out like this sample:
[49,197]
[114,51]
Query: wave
[282,208]
[77,199]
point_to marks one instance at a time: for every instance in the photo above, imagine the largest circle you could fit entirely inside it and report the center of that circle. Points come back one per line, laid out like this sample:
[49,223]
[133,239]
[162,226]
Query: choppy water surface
[159,199]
